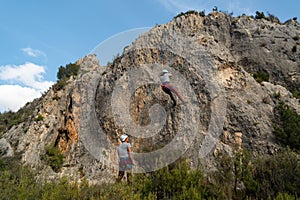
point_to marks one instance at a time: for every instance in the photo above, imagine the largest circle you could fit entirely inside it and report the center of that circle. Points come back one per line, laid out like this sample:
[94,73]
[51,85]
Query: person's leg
[168,91]
[129,177]
[120,176]
[177,93]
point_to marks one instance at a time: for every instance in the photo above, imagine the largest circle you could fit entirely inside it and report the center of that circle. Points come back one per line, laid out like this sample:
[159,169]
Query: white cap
[123,137]
[165,71]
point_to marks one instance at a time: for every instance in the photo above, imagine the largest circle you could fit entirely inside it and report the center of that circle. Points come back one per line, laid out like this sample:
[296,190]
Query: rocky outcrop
[212,59]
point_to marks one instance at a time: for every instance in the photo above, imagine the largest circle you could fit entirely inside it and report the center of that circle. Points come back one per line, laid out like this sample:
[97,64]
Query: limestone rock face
[212,60]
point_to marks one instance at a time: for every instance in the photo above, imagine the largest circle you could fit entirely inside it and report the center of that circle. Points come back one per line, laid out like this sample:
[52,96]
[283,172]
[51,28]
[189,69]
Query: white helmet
[123,137]
[165,71]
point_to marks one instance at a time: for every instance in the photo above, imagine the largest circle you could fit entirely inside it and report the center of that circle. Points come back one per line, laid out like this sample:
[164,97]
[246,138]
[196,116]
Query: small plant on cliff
[202,13]
[296,38]
[186,13]
[60,84]
[53,157]
[296,93]
[261,76]
[260,15]
[39,118]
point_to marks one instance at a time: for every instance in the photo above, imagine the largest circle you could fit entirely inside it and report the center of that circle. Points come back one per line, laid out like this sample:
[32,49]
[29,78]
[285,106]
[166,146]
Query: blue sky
[37,36]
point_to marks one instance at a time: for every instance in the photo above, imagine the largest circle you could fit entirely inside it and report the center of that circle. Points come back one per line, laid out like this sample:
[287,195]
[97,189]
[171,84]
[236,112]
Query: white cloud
[13,97]
[33,52]
[28,74]
[22,84]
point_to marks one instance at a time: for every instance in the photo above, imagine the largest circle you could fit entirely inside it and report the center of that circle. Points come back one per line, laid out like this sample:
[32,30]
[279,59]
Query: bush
[277,174]
[261,76]
[17,182]
[296,38]
[260,15]
[287,131]
[186,13]
[174,182]
[202,13]
[60,84]
[71,69]
[296,93]
[53,157]
[39,118]
[9,119]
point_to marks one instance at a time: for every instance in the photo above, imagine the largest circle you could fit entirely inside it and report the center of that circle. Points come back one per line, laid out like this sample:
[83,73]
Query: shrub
[260,15]
[261,76]
[273,18]
[277,174]
[186,13]
[71,69]
[17,181]
[174,182]
[60,84]
[202,13]
[277,95]
[296,93]
[53,157]
[9,119]
[296,38]
[39,118]
[287,131]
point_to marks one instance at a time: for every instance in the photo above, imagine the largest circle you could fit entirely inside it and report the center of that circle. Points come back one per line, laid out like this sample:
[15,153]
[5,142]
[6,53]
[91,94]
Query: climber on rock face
[168,88]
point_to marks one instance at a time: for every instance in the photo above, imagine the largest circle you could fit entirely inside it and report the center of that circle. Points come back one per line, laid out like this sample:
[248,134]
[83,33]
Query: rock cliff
[212,59]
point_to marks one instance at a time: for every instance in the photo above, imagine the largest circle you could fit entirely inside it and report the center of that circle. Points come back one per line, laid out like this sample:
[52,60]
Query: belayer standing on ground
[168,88]
[125,158]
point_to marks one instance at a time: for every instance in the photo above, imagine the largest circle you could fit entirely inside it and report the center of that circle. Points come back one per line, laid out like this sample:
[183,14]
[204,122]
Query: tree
[71,69]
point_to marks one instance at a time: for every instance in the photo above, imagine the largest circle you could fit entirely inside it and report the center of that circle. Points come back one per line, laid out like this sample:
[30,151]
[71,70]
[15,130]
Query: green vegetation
[270,17]
[296,38]
[53,157]
[277,95]
[202,13]
[60,84]
[296,93]
[238,177]
[187,13]
[261,76]
[287,130]
[278,174]
[71,69]
[64,73]
[260,15]
[39,118]
[9,119]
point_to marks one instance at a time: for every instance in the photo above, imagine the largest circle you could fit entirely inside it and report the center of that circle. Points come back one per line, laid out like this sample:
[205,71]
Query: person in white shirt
[168,88]
[125,158]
